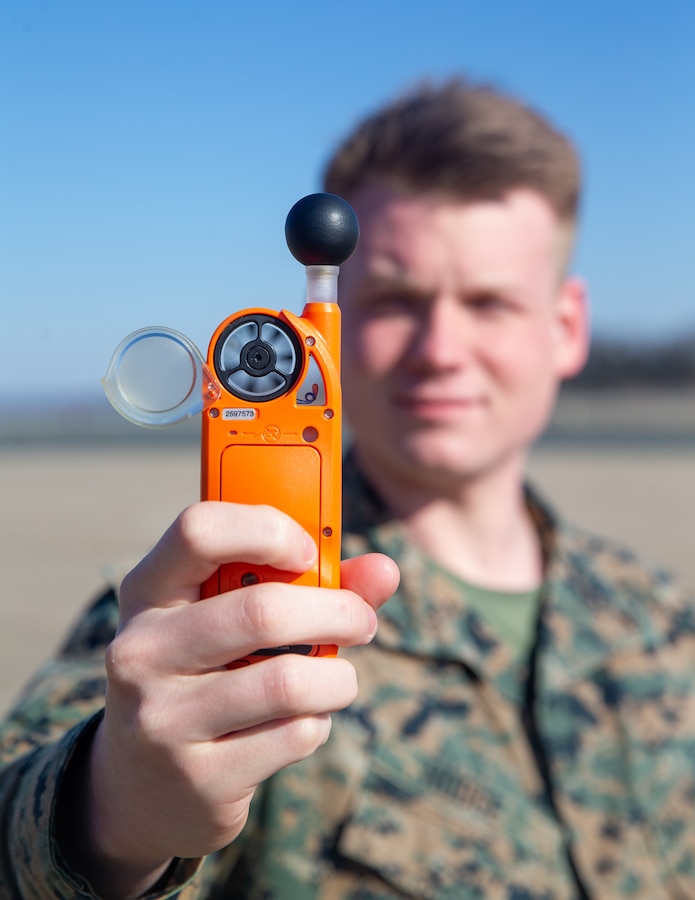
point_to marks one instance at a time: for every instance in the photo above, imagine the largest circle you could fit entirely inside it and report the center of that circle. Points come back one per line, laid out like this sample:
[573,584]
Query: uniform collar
[587,615]
[602,601]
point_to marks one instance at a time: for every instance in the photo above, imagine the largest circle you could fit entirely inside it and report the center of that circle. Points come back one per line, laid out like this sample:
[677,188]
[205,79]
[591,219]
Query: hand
[185,741]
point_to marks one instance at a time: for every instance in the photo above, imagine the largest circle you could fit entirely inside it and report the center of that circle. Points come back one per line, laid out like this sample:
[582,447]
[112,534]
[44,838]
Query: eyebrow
[371,288]
[392,276]
[385,272]
[399,281]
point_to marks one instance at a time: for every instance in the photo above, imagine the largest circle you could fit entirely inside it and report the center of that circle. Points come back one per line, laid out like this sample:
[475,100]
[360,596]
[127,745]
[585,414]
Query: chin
[455,460]
[449,460]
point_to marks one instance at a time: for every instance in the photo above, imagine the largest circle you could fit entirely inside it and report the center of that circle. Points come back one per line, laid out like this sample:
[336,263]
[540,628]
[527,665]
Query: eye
[488,302]
[388,303]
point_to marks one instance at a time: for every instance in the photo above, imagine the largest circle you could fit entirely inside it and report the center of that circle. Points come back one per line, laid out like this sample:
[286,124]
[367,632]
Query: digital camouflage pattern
[458,772]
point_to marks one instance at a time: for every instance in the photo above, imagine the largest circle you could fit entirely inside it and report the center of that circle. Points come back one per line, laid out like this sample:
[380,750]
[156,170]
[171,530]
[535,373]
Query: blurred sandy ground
[68,514]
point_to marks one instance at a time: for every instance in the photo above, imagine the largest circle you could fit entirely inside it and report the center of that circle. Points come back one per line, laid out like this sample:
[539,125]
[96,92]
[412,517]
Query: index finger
[207,535]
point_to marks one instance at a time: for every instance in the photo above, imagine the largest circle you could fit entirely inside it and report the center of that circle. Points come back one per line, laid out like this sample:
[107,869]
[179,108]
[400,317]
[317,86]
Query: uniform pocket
[421,828]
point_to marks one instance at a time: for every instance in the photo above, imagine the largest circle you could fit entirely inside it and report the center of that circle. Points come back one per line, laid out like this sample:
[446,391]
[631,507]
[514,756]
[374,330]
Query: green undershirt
[511,615]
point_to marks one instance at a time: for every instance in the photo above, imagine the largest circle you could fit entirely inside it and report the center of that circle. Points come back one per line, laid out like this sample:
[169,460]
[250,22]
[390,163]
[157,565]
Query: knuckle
[128,660]
[122,661]
[288,687]
[130,686]
[352,615]
[260,615]
[192,526]
[305,734]
[278,529]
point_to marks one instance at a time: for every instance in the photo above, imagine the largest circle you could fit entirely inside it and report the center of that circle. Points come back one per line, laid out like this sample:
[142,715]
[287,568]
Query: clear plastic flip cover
[155,377]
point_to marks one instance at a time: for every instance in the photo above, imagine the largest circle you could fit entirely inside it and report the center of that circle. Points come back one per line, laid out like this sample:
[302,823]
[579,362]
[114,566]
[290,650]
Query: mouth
[437,406]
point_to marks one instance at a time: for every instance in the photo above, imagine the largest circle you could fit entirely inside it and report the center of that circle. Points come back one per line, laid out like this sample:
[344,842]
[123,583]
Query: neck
[476,527]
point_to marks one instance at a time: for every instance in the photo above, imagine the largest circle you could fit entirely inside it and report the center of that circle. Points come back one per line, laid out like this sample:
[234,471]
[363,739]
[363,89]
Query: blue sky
[151,150]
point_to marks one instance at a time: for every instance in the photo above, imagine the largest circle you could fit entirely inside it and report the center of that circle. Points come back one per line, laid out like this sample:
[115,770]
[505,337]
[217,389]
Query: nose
[439,343]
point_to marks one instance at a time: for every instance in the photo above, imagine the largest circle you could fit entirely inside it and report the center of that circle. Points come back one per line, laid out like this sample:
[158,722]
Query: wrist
[89,837]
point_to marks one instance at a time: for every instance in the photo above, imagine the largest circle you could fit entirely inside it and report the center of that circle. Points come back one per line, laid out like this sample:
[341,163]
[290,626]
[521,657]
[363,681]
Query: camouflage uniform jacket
[458,773]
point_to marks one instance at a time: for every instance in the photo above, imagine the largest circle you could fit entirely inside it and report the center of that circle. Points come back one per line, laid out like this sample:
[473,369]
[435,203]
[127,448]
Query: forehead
[428,237]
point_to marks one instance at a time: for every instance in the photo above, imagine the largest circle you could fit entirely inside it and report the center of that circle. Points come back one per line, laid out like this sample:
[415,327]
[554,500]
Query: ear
[572,328]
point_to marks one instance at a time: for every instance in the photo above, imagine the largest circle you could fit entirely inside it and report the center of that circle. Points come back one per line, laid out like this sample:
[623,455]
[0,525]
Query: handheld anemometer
[269,394]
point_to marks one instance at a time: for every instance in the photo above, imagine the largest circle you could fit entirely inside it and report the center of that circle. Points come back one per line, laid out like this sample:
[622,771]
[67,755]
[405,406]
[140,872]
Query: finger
[233,701]
[205,536]
[198,637]
[274,746]
[373,576]
[237,763]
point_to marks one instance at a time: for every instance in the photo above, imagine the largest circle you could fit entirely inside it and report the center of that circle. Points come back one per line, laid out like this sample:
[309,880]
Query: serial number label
[237,413]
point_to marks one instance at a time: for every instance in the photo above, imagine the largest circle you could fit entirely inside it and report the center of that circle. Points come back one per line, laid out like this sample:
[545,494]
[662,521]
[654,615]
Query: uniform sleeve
[52,721]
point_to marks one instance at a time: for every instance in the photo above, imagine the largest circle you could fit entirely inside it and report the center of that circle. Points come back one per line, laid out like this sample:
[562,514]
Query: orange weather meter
[269,394]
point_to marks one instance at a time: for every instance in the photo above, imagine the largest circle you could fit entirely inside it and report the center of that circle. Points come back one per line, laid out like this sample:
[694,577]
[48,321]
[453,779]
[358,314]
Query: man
[525,723]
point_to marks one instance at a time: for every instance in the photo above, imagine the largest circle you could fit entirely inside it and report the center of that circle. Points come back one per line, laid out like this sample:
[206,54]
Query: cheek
[375,347]
[523,363]
[525,351]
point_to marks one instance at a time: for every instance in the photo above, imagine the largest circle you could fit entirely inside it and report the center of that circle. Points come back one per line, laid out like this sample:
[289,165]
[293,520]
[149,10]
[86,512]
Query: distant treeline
[615,363]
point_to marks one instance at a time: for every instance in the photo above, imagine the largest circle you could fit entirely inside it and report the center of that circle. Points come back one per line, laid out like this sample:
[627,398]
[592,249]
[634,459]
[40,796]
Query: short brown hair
[461,140]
